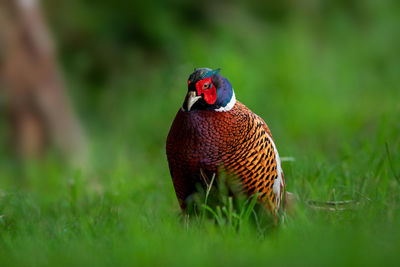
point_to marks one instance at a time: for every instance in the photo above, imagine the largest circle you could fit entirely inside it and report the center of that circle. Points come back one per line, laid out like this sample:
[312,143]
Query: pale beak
[191,99]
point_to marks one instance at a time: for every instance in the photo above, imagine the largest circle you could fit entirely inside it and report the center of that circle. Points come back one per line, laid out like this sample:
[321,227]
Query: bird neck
[229,105]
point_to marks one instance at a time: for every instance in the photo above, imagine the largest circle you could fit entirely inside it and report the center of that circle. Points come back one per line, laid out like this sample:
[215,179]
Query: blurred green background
[324,75]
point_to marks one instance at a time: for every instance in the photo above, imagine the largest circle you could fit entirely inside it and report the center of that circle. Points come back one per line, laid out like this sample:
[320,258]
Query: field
[327,84]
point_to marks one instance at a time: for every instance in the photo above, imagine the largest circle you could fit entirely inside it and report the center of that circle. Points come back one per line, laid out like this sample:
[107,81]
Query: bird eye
[206,85]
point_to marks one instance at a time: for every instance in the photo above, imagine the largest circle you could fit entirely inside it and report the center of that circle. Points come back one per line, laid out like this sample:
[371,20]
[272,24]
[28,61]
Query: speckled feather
[237,141]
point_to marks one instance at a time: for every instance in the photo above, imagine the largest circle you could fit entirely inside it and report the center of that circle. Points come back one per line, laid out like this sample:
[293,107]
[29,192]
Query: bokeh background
[324,75]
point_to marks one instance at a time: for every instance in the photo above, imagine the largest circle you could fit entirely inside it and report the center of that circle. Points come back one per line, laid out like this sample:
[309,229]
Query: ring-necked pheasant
[214,131]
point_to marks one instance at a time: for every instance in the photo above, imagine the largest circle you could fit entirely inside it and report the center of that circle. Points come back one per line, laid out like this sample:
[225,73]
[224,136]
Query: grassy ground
[330,94]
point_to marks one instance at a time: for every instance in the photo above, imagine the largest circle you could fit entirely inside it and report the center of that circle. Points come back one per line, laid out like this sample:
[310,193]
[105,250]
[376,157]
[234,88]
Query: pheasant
[212,131]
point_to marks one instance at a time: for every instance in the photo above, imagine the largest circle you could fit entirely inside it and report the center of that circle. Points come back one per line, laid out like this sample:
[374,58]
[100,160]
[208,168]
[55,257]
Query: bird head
[208,90]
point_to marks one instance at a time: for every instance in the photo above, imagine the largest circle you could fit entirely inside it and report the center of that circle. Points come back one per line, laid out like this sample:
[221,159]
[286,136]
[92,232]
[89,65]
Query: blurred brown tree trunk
[36,102]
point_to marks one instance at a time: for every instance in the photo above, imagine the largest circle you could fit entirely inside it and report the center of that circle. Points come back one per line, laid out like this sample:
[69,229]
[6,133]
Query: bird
[213,133]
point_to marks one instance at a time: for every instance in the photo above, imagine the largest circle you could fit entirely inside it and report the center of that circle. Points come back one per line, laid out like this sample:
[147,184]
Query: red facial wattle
[207,88]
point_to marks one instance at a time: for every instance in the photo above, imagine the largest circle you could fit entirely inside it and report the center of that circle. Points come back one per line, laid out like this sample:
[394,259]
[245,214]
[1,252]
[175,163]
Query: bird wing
[257,165]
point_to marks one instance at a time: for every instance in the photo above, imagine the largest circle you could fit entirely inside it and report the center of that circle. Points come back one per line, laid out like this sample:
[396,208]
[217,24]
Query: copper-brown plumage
[237,141]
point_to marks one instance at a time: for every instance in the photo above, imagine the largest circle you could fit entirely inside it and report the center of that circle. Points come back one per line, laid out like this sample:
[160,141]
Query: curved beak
[191,99]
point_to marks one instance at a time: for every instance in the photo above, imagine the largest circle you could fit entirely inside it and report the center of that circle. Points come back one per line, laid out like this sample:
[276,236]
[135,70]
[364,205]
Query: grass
[59,216]
[330,94]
